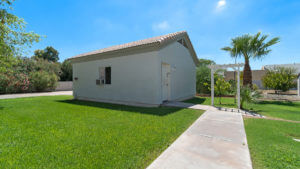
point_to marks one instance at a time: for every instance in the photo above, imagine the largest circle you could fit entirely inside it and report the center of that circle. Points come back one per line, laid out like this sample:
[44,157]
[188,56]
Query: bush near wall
[280,79]
[14,83]
[42,81]
[28,75]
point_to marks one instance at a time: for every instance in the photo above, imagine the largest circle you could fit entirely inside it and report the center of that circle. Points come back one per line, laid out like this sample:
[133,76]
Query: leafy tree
[203,76]
[221,88]
[67,72]
[26,65]
[50,67]
[280,78]
[13,36]
[13,41]
[49,53]
[206,62]
[250,46]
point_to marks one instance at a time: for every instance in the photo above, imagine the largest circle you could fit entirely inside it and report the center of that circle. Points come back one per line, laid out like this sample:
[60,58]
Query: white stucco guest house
[144,73]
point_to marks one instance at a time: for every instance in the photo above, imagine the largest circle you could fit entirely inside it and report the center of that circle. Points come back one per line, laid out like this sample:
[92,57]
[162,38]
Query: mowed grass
[57,132]
[278,109]
[225,101]
[271,143]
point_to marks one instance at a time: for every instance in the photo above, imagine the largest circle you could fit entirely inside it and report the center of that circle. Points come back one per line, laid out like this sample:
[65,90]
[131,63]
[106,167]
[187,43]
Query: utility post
[212,87]
[298,86]
[238,88]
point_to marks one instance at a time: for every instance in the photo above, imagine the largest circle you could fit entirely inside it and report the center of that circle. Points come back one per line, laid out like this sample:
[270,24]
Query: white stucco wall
[183,70]
[134,79]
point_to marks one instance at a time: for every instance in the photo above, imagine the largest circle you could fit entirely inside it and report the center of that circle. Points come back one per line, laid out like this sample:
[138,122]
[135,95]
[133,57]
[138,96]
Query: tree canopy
[203,76]
[205,62]
[13,36]
[250,46]
[49,53]
[67,73]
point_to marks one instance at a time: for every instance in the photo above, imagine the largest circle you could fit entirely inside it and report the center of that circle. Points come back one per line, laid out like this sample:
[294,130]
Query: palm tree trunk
[247,77]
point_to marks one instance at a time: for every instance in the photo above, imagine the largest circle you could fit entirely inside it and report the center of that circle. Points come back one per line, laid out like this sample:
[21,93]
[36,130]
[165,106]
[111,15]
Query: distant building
[296,66]
[257,75]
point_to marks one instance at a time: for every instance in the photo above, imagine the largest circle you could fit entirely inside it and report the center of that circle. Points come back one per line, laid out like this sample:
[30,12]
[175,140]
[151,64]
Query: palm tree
[250,46]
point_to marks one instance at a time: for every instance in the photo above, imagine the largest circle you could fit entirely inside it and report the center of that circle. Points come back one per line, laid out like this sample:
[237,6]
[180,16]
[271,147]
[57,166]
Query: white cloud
[220,5]
[162,26]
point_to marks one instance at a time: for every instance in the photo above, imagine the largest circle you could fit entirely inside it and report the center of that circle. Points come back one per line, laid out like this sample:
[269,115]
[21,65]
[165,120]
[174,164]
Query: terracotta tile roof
[159,40]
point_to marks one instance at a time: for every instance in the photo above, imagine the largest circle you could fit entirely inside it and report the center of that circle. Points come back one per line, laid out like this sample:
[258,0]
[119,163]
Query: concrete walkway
[216,140]
[20,95]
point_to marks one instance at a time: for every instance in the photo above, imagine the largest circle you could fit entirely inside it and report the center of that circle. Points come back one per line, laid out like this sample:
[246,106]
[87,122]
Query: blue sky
[78,26]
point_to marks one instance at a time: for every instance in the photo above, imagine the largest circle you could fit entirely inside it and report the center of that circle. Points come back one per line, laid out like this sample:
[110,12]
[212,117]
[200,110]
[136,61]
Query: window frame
[107,77]
[104,75]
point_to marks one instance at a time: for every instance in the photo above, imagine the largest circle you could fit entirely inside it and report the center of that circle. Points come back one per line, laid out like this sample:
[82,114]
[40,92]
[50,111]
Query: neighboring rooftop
[296,66]
[159,41]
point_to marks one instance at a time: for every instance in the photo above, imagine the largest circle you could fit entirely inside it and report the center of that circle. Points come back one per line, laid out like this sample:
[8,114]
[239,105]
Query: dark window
[107,75]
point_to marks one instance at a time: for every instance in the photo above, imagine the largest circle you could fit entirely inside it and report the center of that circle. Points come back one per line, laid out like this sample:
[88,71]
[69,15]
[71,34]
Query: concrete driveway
[20,95]
[216,140]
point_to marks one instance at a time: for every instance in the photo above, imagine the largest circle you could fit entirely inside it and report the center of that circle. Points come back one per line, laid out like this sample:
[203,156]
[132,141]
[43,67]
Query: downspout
[161,80]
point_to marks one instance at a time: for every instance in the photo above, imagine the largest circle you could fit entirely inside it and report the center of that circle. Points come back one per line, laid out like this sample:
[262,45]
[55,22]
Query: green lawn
[57,132]
[271,143]
[278,109]
[226,102]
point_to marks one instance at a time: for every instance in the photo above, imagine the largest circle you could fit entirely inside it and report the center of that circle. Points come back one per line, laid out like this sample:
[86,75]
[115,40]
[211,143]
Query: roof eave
[116,53]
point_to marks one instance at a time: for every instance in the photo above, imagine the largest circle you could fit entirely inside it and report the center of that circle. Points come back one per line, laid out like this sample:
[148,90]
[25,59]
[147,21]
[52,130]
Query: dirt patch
[271,118]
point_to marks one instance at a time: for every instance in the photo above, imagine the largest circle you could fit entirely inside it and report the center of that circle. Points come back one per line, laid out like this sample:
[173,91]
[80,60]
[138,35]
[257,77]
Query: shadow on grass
[158,111]
[282,103]
[196,100]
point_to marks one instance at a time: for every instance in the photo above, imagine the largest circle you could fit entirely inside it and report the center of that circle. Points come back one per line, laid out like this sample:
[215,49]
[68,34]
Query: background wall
[257,76]
[64,86]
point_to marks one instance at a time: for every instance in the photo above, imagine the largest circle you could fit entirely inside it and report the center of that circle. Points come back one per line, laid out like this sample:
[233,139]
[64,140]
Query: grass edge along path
[275,109]
[58,132]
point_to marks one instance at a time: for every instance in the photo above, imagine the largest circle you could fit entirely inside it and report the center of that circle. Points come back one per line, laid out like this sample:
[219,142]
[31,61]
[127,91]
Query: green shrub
[66,71]
[4,81]
[19,75]
[14,83]
[255,87]
[280,78]
[42,80]
[203,76]
[248,95]
[203,80]
[221,88]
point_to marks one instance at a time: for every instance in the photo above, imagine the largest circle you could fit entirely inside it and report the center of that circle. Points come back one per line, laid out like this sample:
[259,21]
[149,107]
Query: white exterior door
[166,75]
